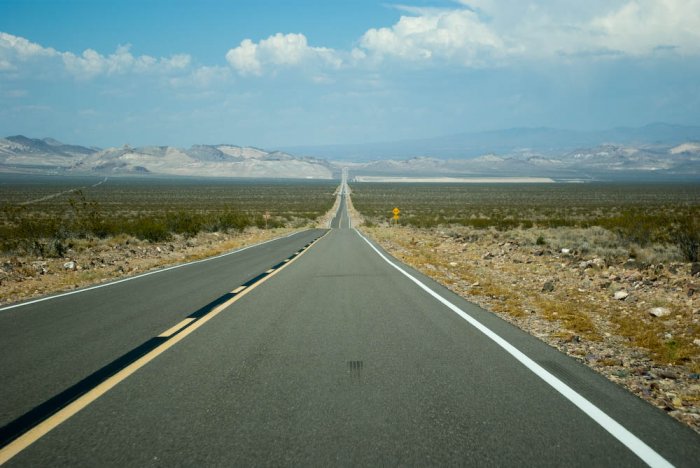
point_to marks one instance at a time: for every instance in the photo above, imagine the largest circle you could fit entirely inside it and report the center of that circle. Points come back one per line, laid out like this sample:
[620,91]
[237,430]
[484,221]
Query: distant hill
[602,162]
[654,152]
[542,140]
[22,154]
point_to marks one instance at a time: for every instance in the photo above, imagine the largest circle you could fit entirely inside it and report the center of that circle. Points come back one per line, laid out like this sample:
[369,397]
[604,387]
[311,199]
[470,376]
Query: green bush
[183,222]
[150,229]
[686,235]
[232,220]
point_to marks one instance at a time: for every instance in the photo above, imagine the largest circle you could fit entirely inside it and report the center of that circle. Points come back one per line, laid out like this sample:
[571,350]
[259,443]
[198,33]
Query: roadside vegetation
[639,216]
[152,210]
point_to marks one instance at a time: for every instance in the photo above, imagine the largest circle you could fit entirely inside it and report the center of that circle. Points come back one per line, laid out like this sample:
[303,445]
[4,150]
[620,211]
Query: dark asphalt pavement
[338,359]
[47,346]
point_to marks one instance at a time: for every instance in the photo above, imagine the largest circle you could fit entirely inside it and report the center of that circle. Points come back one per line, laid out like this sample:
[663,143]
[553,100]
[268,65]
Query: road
[334,357]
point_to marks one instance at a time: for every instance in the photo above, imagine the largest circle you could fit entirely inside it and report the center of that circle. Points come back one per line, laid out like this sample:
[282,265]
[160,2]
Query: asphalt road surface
[309,350]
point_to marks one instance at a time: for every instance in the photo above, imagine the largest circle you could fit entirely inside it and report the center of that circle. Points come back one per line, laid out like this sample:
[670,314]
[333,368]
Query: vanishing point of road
[313,349]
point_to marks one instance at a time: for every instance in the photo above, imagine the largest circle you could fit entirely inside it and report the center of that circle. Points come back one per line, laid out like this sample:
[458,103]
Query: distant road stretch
[315,349]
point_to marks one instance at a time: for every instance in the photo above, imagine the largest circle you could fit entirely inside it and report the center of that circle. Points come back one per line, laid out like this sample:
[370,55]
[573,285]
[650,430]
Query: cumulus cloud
[280,50]
[487,32]
[642,27]
[17,52]
[454,35]
[91,63]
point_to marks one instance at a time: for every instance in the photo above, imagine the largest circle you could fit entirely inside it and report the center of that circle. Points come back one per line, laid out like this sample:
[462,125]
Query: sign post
[396,212]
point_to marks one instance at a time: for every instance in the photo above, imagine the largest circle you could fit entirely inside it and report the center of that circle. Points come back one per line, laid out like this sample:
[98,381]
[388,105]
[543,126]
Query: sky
[272,73]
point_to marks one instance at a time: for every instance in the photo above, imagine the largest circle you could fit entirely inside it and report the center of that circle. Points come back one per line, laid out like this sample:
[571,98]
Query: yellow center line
[65,413]
[238,289]
[171,331]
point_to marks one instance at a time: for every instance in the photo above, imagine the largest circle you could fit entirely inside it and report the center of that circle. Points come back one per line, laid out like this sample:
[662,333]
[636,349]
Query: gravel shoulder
[94,261]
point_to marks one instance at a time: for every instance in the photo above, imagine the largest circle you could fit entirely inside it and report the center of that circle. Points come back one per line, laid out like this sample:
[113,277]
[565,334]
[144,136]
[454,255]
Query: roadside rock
[659,312]
[69,266]
[548,286]
[621,295]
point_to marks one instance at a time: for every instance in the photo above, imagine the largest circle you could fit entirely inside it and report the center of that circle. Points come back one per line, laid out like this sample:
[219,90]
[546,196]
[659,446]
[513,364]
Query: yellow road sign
[396,211]
[396,217]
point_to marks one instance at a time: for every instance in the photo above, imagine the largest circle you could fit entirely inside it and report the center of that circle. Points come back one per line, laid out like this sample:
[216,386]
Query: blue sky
[282,73]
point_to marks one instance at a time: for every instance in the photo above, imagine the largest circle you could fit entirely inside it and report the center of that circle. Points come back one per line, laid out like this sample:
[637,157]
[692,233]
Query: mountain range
[653,152]
[602,162]
[48,156]
[543,140]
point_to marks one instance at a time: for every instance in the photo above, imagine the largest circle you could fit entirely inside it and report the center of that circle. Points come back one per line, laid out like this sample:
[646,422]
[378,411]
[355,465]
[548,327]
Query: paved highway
[337,356]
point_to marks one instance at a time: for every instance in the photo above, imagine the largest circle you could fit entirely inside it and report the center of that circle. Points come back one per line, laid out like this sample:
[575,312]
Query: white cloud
[487,32]
[20,48]
[202,77]
[453,35]
[17,52]
[244,58]
[643,27]
[91,63]
[280,50]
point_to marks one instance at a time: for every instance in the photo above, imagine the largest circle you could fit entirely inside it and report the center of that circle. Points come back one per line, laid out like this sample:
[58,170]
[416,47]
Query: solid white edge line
[632,442]
[111,283]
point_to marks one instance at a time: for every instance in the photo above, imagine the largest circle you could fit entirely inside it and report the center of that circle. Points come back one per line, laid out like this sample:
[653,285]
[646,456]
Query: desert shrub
[150,229]
[187,223]
[270,223]
[233,220]
[686,235]
[633,226]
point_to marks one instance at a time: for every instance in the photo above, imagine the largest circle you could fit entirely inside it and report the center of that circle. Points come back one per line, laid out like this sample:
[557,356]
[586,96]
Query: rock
[621,295]
[696,341]
[158,249]
[666,374]
[69,265]
[695,269]
[548,286]
[659,312]
[487,256]
[453,264]
[566,251]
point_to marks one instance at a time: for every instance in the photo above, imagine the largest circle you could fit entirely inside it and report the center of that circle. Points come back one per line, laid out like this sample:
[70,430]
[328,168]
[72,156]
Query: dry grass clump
[655,337]
[573,313]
